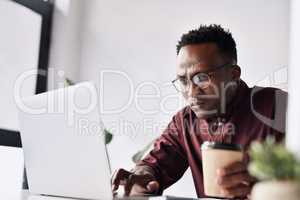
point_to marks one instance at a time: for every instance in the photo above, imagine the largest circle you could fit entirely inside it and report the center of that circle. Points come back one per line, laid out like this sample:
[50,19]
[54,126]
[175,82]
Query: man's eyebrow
[181,76]
[191,75]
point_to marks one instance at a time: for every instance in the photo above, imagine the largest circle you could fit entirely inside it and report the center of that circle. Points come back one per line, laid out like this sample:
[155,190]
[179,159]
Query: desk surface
[26,196]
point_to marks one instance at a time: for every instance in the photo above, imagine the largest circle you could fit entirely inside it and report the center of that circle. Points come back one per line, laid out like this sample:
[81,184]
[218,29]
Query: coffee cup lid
[215,145]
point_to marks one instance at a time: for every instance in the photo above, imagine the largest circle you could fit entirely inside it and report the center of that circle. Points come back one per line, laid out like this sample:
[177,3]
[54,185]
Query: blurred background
[128,48]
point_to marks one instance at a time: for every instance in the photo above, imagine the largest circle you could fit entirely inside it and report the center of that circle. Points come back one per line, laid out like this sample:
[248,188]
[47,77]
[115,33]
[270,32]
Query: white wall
[139,37]
[19,48]
[65,51]
[293,135]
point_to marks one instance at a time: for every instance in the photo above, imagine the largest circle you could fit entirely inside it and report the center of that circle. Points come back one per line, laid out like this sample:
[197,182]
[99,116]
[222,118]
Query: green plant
[271,161]
[108,136]
[68,82]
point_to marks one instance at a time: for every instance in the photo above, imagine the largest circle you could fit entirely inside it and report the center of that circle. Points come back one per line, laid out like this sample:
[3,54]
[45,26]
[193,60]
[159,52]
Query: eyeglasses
[201,79]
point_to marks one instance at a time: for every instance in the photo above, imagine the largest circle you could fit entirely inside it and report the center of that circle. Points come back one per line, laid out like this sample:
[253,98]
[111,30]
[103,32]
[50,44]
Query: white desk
[27,196]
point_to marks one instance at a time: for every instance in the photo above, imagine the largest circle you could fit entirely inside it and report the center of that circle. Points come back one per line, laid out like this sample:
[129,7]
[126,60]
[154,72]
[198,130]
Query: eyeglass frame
[207,72]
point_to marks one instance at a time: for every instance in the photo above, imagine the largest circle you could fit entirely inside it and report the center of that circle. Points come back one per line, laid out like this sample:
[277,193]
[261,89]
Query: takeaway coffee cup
[215,156]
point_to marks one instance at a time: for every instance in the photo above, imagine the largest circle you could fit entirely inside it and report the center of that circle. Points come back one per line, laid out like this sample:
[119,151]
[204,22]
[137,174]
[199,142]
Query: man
[221,107]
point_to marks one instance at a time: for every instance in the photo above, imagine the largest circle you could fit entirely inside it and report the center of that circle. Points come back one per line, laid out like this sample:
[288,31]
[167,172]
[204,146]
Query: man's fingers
[153,187]
[240,191]
[235,167]
[235,179]
[141,185]
[133,184]
[115,193]
[128,185]
[115,188]
[138,180]
[142,180]
[119,175]
[150,189]
[119,178]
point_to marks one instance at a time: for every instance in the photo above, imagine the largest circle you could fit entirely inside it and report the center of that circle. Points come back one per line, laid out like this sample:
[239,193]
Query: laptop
[63,142]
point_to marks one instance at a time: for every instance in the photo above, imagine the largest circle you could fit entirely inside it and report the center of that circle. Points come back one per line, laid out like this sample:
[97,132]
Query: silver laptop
[64,150]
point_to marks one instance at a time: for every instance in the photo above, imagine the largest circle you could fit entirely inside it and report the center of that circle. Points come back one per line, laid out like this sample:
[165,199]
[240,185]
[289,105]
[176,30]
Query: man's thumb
[153,186]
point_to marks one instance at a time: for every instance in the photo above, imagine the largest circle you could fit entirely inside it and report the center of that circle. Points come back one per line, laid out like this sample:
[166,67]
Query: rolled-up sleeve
[168,158]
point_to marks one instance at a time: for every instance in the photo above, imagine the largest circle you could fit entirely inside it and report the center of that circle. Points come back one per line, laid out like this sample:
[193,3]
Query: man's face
[196,58]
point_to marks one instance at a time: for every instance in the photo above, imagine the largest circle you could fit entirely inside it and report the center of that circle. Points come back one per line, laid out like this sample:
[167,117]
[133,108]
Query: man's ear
[235,72]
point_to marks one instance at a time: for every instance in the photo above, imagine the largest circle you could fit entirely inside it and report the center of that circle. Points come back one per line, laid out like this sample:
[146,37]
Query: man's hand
[235,180]
[134,184]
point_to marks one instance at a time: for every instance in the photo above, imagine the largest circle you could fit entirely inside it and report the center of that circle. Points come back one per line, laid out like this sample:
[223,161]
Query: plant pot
[276,190]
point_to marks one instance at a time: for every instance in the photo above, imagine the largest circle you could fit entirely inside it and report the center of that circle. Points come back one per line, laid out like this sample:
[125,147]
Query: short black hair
[211,33]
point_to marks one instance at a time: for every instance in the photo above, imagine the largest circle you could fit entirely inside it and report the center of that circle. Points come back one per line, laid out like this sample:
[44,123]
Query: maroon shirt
[255,113]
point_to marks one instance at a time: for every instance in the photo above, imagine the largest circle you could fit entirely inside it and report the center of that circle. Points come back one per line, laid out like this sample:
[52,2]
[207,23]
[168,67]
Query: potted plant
[277,169]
